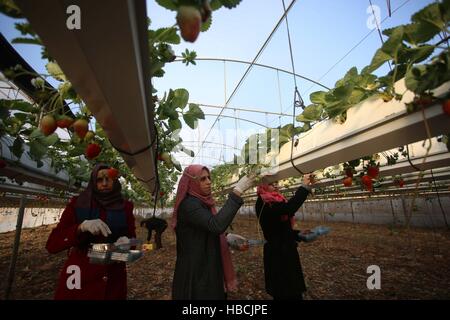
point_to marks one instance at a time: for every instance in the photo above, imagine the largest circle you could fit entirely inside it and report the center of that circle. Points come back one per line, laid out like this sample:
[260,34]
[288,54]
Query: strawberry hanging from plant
[398,181]
[373,171]
[81,127]
[189,20]
[92,151]
[367,182]
[63,121]
[48,125]
[348,181]
[113,173]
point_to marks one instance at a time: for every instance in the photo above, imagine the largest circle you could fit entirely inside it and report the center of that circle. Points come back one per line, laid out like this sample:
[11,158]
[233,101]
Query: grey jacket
[198,270]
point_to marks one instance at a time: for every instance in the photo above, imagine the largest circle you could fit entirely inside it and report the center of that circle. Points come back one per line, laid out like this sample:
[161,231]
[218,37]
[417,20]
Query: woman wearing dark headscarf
[98,215]
[203,268]
[282,269]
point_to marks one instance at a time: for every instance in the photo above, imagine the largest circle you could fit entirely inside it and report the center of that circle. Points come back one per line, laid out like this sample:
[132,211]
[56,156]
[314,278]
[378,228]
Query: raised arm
[192,212]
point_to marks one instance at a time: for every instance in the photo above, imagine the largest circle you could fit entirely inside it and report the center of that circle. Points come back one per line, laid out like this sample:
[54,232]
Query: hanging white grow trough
[24,169]
[372,126]
[107,62]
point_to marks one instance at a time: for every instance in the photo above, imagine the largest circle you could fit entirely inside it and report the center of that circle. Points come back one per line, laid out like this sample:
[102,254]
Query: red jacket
[98,282]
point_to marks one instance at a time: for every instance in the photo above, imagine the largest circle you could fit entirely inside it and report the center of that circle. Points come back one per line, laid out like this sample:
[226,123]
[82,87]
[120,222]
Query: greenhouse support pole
[12,266]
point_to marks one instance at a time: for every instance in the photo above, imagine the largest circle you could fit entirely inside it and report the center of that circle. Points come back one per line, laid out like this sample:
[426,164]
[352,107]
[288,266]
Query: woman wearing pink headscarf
[203,268]
[282,269]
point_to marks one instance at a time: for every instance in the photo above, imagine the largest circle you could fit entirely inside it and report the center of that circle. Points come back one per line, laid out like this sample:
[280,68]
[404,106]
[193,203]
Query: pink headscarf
[190,184]
[270,197]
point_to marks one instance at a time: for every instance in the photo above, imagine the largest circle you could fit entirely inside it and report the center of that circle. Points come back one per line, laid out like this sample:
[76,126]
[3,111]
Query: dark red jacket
[98,282]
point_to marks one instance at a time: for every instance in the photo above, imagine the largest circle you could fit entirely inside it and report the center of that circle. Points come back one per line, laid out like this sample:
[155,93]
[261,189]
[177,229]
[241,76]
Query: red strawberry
[401,183]
[189,20]
[348,181]
[92,151]
[2,163]
[367,181]
[373,171]
[161,193]
[113,173]
[64,121]
[446,106]
[48,125]
[81,127]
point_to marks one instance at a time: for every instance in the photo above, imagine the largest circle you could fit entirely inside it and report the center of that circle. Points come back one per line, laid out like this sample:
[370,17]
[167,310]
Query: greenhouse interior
[225,150]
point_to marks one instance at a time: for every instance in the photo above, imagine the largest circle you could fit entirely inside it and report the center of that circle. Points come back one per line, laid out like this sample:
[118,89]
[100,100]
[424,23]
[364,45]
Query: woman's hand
[308,179]
[243,184]
[95,227]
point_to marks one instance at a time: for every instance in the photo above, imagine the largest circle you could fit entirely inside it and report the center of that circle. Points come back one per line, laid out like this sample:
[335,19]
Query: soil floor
[414,263]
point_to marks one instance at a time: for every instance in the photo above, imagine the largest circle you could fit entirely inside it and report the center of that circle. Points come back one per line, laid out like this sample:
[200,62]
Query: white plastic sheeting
[427,212]
[33,217]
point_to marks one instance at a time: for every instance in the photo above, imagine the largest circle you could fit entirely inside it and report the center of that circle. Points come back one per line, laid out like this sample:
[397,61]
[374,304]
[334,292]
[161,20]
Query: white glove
[123,243]
[245,183]
[237,242]
[95,227]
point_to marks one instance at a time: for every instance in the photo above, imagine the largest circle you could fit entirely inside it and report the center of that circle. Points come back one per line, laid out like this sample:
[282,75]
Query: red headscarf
[270,197]
[190,184]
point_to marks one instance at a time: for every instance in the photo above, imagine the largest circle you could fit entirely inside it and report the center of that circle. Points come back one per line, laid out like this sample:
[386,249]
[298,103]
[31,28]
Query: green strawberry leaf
[27,41]
[230,3]
[180,98]
[206,25]
[175,124]
[17,147]
[168,4]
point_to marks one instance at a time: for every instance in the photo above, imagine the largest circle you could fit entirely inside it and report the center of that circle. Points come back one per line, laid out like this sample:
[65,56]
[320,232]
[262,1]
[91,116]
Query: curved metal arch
[210,142]
[203,156]
[222,116]
[243,109]
[258,65]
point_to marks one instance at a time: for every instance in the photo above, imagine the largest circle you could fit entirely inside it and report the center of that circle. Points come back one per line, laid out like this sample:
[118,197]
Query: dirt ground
[415,264]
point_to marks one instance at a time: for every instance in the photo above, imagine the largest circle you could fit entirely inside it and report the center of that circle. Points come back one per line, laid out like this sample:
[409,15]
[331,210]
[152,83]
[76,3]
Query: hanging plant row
[409,50]
[34,124]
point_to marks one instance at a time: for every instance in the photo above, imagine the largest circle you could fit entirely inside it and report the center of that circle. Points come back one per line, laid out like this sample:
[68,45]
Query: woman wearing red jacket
[98,215]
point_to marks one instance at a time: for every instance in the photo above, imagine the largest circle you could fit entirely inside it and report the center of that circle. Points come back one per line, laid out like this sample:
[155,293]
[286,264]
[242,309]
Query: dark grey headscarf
[112,200]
